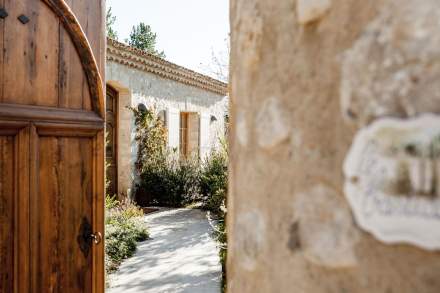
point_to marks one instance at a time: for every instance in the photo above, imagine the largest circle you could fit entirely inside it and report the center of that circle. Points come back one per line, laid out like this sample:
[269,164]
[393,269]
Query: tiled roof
[135,58]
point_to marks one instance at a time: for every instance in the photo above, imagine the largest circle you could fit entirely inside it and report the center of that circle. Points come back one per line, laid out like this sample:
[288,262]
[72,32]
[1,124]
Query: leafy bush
[111,202]
[221,237]
[124,228]
[173,183]
[214,181]
[165,180]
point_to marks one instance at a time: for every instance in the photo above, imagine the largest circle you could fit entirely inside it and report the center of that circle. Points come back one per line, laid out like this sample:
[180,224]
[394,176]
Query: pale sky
[187,30]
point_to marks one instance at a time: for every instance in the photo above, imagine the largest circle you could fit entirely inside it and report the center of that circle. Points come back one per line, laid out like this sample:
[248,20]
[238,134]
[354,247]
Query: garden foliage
[124,228]
[166,179]
[214,180]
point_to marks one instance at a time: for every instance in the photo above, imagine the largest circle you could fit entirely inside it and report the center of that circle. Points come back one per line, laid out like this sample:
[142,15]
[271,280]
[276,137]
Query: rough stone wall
[135,87]
[306,76]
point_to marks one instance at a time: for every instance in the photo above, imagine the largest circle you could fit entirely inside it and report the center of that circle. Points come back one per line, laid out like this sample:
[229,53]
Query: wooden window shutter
[205,148]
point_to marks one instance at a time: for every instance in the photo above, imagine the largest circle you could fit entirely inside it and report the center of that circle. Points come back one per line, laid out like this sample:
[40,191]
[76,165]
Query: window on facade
[189,134]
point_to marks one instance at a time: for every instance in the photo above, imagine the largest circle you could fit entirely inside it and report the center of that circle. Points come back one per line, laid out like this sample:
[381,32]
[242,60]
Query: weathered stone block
[327,231]
[393,68]
[312,10]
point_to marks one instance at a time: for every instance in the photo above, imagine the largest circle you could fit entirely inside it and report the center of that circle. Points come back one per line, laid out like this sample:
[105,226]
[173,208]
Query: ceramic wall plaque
[392,177]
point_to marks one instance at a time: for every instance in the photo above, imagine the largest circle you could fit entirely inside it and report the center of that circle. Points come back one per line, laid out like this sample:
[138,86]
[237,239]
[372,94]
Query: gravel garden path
[181,256]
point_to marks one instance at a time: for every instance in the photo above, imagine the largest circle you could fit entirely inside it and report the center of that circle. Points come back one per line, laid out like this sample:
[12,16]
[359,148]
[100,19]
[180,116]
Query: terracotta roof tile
[135,58]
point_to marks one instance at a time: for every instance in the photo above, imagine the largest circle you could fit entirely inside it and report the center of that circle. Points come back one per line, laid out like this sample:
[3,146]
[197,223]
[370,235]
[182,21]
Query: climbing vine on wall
[151,137]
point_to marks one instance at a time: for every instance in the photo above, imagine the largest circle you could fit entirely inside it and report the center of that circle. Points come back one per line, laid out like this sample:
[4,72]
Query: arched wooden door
[51,145]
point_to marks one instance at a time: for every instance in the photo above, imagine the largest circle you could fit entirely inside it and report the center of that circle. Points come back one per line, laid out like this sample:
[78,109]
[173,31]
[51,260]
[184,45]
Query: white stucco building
[193,106]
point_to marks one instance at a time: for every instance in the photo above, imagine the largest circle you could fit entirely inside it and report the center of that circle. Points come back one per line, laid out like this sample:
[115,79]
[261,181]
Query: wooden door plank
[48,270]
[2,26]
[21,232]
[31,54]
[7,194]
[74,89]
[76,204]
[33,208]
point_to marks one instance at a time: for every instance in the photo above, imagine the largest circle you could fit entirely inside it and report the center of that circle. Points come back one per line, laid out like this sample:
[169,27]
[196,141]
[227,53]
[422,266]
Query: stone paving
[181,256]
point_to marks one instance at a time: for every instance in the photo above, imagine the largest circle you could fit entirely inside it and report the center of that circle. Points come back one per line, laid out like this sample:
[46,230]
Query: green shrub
[124,228]
[223,252]
[173,183]
[184,181]
[111,202]
[165,180]
[214,181]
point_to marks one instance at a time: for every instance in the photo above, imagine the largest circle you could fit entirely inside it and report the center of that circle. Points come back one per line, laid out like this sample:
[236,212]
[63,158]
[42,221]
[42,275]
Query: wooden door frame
[115,134]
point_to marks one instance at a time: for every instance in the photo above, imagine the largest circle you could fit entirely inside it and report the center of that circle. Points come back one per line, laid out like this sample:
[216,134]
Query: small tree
[110,21]
[143,38]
